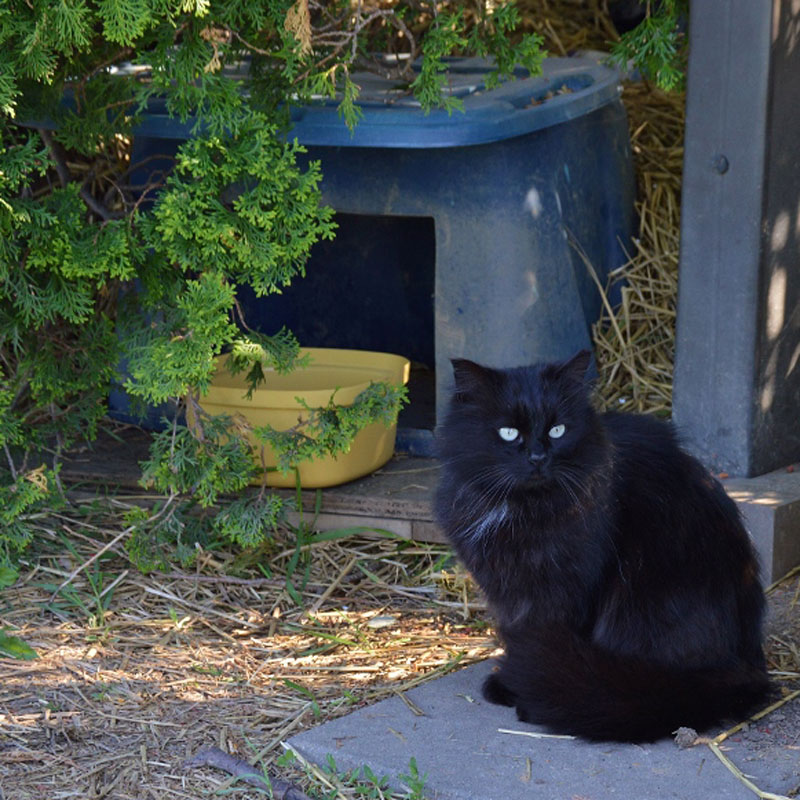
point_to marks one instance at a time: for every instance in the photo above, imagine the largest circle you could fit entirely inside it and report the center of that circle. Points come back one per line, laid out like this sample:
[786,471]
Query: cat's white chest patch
[487,524]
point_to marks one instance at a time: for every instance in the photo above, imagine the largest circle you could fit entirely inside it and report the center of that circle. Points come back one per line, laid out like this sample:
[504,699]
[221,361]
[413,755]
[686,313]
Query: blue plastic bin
[514,185]
[532,171]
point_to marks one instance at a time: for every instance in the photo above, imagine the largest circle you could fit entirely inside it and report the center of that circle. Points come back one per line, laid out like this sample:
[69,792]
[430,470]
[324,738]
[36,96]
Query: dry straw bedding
[635,342]
[177,662]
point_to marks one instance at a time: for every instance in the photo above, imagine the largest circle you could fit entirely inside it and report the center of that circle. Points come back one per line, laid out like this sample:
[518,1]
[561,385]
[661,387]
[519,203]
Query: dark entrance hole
[371,288]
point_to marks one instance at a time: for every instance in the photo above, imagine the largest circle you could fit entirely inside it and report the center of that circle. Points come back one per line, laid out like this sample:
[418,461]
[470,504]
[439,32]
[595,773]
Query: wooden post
[737,373]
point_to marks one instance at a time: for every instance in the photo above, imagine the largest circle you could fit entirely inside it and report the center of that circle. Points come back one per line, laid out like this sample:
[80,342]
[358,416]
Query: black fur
[624,585]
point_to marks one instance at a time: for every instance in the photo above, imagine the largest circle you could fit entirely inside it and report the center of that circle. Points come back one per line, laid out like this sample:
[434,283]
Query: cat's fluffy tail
[571,686]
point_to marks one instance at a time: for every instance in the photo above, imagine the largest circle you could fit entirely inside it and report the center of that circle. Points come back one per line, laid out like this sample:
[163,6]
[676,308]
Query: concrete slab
[770,505]
[458,740]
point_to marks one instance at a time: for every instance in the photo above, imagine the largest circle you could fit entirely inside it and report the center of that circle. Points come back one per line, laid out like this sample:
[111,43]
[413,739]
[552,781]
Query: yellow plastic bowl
[348,372]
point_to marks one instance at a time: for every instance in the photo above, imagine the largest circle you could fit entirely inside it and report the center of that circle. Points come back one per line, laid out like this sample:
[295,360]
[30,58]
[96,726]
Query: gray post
[737,372]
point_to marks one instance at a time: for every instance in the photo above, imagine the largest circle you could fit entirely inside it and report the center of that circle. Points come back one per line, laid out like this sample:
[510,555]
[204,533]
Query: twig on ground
[714,746]
[245,772]
[536,734]
[737,773]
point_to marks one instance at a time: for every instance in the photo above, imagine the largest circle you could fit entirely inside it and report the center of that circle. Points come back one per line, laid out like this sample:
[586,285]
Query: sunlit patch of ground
[137,674]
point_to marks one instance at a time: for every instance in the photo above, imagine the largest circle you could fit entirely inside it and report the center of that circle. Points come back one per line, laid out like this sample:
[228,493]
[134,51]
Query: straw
[635,343]
[139,673]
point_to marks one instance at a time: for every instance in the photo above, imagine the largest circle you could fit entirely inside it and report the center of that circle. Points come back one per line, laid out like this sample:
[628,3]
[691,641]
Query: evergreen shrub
[106,262]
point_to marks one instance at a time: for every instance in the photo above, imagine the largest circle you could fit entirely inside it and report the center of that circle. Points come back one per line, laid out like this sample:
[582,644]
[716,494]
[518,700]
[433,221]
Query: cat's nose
[535,457]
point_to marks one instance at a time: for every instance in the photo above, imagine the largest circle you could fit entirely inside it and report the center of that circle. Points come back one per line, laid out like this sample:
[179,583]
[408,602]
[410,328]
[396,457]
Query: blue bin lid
[566,89]
[392,118]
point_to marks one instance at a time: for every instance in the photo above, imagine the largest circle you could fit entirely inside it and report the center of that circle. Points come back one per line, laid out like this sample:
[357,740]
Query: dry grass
[635,343]
[783,631]
[568,25]
[138,672]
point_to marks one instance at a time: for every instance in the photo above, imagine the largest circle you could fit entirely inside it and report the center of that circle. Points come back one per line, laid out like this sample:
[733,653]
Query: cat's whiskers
[571,481]
[486,495]
[469,486]
[486,504]
[565,482]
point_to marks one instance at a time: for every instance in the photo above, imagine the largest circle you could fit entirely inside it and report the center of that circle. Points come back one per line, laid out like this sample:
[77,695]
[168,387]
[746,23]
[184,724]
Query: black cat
[624,586]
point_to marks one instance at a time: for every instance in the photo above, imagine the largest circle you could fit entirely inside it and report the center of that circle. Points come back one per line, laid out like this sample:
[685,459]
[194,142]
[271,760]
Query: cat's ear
[470,377]
[577,368]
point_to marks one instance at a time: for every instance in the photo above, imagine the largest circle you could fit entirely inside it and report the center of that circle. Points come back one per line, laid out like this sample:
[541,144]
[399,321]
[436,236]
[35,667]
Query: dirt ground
[138,673]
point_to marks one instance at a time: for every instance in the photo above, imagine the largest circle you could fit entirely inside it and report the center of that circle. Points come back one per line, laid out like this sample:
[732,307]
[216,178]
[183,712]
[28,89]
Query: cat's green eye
[556,432]
[508,434]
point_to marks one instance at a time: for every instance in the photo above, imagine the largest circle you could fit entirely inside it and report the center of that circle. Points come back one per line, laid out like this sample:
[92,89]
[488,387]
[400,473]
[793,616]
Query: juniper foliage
[658,46]
[105,261]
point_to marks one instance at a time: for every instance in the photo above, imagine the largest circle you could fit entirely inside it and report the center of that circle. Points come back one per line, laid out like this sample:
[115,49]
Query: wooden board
[397,497]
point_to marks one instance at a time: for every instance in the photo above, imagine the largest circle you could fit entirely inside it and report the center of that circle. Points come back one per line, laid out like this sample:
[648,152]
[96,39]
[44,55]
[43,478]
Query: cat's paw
[495,691]
[525,714]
